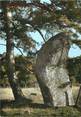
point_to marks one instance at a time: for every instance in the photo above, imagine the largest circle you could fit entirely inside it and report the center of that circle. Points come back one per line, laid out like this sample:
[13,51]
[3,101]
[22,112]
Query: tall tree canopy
[32,15]
[19,18]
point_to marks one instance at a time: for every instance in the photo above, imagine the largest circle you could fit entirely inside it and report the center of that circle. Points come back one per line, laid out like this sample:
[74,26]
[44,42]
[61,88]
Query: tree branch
[77,42]
[19,50]
[15,47]
[25,68]
[30,23]
[24,4]
[40,34]
[78,96]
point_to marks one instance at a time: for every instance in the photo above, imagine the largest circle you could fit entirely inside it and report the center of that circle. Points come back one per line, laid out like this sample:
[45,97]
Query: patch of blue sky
[74,51]
[2,49]
[2,46]
[18,52]
[48,1]
[37,37]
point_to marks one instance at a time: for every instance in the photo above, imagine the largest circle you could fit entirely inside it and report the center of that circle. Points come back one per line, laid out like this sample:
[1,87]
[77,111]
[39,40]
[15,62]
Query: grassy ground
[9,108]
[41,112]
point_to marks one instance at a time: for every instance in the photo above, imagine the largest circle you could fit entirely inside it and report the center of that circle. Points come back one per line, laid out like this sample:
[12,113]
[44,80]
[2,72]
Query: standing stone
[51,71]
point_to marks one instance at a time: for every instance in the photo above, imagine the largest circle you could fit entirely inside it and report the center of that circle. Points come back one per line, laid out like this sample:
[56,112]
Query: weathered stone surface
[51,71]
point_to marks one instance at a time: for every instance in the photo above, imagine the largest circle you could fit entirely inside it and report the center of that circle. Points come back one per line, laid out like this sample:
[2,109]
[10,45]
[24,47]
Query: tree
[58,16]
[10,55]
[9,30]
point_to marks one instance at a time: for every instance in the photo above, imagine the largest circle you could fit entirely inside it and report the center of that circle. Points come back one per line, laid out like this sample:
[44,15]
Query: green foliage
[23,70]
[57,16]
[54,17]
[26,78]
[74,68]
[19,31]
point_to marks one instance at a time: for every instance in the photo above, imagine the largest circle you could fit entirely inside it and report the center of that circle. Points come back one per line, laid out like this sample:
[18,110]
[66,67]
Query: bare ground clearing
[30,93]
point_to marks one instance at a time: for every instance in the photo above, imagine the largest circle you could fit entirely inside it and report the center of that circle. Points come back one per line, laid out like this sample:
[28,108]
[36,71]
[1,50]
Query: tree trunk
[78,97]
[47,98]
[10,55]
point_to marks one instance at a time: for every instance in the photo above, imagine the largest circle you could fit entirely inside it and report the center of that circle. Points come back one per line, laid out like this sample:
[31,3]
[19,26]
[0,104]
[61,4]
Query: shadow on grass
[26,103]
[38,110]
[21,104]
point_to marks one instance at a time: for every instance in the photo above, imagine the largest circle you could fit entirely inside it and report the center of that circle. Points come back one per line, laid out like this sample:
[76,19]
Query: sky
[48,1]
[73,52]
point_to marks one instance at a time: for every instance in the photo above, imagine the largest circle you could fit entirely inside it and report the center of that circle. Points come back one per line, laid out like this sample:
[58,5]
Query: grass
[41,112]
[10,108]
